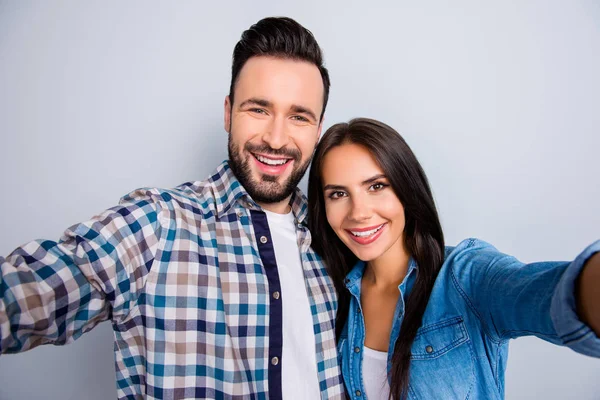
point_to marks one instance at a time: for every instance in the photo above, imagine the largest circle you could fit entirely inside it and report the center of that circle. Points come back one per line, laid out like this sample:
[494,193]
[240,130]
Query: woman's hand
[588,293]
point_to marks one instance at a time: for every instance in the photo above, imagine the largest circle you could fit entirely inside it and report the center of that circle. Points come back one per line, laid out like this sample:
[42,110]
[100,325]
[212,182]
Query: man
[212,288]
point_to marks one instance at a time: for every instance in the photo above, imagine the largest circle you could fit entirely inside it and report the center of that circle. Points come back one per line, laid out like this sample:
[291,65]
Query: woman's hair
[423,237]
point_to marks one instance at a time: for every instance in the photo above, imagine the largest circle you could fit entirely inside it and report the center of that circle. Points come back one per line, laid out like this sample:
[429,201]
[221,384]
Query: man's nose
[276,135]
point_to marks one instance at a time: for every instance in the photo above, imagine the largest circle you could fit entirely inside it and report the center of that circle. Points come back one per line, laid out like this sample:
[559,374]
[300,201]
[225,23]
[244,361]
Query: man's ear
[227,114]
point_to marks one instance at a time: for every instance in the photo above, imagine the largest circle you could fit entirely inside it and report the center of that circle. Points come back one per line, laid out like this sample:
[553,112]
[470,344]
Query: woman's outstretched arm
[588,293]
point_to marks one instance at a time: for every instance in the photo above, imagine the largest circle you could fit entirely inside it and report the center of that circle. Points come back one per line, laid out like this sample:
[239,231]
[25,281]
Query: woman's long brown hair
[423,237]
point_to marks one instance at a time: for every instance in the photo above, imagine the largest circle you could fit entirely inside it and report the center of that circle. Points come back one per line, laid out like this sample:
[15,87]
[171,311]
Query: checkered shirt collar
[227,191]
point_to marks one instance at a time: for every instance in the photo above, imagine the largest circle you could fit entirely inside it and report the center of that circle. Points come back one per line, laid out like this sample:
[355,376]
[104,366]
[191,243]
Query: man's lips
[271,165]
[271,160]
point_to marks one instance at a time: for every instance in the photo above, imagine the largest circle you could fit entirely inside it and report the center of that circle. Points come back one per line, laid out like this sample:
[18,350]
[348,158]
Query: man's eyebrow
[303,110]
[256,101]
[363,183]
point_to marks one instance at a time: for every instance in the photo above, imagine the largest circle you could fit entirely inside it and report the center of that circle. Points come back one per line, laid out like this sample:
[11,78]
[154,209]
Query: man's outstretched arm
[53,292]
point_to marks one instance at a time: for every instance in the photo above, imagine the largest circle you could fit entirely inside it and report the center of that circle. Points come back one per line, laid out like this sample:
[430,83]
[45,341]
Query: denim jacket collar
[354,277]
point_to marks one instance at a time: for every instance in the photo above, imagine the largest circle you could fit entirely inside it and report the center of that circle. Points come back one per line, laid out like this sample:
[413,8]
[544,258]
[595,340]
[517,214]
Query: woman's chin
[365,256]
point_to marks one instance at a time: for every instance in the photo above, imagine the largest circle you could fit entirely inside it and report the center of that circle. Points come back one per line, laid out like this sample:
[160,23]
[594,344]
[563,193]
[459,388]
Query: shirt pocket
[442,365]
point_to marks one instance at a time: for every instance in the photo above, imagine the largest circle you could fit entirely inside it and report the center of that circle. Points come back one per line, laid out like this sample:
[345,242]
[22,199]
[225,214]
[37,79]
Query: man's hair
[279,37]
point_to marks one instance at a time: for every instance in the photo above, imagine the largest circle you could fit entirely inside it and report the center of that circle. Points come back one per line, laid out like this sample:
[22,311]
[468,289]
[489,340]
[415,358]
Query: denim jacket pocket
[437,339]
[442,365]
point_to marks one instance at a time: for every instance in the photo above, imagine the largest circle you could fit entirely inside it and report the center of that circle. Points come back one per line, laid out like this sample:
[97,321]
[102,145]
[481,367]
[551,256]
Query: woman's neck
[388,270]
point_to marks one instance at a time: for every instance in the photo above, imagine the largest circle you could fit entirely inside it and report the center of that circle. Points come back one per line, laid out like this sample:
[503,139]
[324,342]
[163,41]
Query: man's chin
[269,191]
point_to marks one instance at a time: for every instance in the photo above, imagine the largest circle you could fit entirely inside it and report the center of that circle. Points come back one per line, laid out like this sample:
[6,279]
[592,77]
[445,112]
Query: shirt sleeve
[515,299]
[53,292]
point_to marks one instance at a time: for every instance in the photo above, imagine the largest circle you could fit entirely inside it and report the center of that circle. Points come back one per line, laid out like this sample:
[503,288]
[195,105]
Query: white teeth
[367,233]
[268,161]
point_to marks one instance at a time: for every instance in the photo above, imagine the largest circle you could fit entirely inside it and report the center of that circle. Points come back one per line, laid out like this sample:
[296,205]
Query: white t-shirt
[374,366]
[299,378]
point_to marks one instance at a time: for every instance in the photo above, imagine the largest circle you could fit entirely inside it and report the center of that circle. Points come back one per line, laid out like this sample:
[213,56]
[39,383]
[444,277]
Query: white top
[374,367]
[299,376]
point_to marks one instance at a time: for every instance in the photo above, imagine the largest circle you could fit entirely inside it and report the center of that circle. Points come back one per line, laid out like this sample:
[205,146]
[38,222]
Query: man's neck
[282,207]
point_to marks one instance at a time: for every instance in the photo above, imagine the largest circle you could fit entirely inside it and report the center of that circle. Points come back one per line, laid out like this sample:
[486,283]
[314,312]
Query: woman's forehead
[349,163]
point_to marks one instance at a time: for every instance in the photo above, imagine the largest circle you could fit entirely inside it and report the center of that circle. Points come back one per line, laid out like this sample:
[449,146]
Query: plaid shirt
[188,289]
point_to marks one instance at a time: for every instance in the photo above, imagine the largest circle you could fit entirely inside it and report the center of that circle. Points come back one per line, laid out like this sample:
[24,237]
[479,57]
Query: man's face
[273,125]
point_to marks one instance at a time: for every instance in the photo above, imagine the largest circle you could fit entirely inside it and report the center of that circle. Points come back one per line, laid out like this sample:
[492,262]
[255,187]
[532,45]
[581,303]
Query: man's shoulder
[196,197]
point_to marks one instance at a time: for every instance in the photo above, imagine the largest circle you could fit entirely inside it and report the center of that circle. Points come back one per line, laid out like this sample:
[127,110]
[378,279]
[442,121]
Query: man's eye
[258,110]
[300,118]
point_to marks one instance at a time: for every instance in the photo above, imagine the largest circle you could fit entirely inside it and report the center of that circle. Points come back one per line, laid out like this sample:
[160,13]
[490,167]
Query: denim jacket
[480,299]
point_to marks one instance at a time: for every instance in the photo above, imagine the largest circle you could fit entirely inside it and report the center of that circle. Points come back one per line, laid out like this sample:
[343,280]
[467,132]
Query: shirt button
[274,360]
[429,349]
[240,213]
[357,349]
[263,239]
[276,295]
[358,393]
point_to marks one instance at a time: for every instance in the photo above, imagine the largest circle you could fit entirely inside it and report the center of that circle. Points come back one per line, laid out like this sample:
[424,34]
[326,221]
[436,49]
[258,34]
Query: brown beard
[267,189]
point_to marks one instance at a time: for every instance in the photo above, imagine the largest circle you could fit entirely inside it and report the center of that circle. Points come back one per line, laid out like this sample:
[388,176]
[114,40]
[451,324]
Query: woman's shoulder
[471,258]
[469,245]
[470,250]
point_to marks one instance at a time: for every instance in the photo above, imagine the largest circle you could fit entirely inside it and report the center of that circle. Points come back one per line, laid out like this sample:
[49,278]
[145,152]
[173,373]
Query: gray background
[500,101]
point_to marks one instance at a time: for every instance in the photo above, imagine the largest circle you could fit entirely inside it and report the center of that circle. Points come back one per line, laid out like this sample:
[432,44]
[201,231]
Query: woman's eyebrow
[363,183]
[334,187]
[373,179]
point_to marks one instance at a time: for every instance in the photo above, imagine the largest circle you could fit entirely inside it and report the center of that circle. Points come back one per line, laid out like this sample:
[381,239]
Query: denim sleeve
[53,292]
[513,299]
[574,333]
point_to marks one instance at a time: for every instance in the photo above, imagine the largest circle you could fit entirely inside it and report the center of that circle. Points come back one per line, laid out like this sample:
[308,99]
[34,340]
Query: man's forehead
[279,81]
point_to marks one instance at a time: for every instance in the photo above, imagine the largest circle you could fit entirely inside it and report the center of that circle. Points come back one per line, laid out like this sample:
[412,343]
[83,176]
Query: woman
[416,319]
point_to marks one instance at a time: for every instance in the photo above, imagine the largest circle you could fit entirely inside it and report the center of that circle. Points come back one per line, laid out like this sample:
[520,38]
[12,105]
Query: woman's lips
[366,235]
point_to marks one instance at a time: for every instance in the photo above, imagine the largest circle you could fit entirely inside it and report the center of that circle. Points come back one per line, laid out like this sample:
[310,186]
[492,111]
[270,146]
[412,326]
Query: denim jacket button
[429,349]
[357,349]
[358,393]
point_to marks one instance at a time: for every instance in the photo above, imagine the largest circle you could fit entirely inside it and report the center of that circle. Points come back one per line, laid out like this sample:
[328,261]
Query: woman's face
[361,206]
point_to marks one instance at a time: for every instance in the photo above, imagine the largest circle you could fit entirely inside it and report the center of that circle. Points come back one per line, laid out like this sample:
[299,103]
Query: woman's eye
[336,195]
[378,186]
